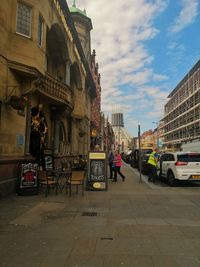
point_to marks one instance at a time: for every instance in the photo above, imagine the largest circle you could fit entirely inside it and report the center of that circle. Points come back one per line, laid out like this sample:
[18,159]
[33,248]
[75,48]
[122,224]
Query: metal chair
[76,179]
[49,182]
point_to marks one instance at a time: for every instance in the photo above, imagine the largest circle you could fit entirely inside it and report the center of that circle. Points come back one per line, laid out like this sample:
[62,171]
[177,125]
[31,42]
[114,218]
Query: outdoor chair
[76,179]
[48,182]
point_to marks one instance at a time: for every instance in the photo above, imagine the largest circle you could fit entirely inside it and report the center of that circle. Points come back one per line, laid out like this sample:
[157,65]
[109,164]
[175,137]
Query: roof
[74,9]
[81,14]
[194,68]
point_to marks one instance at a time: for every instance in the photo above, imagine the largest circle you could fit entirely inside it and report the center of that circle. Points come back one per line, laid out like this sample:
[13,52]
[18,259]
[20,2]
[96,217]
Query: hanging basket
[17,102]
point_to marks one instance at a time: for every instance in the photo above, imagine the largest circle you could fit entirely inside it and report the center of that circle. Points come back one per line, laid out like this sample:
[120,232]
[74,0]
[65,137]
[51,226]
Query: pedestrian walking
[110,162]
[118,163]
[153,165]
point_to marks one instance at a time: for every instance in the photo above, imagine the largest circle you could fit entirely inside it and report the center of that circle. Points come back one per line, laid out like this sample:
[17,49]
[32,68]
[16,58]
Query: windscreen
[189,157]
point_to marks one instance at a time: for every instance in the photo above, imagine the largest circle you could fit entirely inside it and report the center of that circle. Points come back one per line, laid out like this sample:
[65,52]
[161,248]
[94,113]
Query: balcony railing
[57,89]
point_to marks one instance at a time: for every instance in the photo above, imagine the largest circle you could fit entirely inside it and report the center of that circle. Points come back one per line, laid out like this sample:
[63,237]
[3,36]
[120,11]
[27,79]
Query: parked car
[134,157]
[144,165]
[126,156]
[183,166]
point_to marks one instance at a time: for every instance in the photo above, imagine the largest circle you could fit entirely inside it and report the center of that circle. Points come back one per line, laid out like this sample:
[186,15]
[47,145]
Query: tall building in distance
[122,137]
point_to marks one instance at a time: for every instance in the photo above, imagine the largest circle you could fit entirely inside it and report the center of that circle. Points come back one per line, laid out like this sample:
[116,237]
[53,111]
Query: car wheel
[171,179]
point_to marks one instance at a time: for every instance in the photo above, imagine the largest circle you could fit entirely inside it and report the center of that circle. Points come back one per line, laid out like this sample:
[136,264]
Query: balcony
[56,90]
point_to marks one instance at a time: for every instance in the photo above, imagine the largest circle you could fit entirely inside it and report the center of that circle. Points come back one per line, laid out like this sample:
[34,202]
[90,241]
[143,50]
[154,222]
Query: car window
[170,157]
[189,157]
[163,157]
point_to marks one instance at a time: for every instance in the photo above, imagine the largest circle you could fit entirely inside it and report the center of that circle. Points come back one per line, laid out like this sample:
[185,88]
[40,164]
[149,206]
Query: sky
[144,48]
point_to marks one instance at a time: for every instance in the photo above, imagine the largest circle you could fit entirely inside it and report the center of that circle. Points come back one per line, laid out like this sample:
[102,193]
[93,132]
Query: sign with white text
[97,171]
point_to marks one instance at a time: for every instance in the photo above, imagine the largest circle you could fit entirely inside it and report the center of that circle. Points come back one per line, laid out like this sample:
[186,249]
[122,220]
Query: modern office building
[182,111]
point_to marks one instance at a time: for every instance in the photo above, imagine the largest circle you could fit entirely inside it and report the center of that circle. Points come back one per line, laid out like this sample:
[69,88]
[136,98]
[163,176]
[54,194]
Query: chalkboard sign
[97,169]
[28,179]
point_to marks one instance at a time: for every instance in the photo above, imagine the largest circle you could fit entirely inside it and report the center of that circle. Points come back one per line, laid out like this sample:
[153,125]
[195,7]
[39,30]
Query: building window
[23,19]
[40,30]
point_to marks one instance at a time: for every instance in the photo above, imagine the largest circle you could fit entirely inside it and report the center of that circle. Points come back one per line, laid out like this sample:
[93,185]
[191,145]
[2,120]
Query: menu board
[28,179]
[97,169]
[28,175]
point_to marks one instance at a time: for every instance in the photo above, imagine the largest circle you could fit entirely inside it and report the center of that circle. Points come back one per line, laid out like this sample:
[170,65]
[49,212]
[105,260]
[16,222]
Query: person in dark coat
[110,162]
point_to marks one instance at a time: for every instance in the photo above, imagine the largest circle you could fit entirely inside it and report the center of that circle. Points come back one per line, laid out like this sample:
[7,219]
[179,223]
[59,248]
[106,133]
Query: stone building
[95,130]
[83,26]
[108,136]
[147,139]
[122,138]
[46,87]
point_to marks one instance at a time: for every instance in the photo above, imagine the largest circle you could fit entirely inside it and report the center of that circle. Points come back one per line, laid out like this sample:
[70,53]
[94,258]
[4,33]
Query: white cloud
[120,32]
[187,15]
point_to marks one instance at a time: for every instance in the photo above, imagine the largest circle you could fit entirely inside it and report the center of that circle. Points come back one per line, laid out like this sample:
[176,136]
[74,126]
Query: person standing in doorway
[118,163]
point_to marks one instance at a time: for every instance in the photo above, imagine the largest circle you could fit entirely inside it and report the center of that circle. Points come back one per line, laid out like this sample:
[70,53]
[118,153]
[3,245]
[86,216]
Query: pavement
[134,223]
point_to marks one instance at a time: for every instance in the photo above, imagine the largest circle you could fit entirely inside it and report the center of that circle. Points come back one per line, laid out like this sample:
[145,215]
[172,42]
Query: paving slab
[131,224]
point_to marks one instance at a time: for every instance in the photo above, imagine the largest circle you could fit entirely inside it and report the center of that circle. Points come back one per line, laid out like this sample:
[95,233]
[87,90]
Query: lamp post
[139,152]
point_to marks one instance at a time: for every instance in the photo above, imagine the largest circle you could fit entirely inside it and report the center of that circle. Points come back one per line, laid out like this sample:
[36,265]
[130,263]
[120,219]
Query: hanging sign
[97,171]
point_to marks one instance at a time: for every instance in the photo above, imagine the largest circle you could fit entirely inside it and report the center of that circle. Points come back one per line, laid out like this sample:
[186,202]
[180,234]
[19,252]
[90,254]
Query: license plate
[195,176]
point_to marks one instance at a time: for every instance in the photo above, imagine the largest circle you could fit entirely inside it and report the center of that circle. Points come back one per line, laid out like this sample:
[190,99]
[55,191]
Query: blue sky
[144,48]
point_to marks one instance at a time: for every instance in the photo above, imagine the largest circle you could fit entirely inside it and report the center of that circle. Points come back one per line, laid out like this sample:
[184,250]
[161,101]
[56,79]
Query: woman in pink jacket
[118,163]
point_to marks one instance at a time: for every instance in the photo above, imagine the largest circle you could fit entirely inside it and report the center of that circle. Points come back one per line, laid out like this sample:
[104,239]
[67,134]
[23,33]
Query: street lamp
[139,152]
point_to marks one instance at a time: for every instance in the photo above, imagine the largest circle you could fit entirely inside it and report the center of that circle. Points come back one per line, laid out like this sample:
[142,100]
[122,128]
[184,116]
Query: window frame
[31,13]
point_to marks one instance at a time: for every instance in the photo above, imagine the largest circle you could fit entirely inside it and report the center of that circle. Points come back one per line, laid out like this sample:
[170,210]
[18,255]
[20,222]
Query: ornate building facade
[83,26]
[95,130]
[46,87]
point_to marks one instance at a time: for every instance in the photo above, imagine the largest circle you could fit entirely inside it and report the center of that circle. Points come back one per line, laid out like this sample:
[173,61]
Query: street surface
[132,224]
